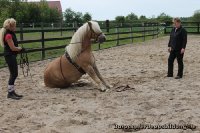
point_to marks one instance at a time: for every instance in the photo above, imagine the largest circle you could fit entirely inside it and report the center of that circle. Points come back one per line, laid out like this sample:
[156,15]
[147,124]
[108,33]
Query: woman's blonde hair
[8,23]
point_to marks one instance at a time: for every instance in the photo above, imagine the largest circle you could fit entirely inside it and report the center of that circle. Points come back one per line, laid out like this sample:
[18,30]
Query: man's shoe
[178,77]
[12,96]
[169,76]
[14,93]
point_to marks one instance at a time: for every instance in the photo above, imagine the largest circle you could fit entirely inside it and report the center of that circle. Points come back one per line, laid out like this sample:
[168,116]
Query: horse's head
[96,32]
[90,30]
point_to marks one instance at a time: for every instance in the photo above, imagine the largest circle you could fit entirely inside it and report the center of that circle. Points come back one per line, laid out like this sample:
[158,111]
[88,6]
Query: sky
[109,9]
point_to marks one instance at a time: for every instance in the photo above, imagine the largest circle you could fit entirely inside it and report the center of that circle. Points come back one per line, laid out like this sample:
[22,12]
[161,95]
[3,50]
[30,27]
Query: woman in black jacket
[8,40]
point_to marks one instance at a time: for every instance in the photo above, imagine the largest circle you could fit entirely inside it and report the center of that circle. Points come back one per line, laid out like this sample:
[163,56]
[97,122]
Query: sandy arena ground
[141,94]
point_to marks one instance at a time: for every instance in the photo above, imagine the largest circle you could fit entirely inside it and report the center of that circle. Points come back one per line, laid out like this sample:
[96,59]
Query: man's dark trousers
[175,54]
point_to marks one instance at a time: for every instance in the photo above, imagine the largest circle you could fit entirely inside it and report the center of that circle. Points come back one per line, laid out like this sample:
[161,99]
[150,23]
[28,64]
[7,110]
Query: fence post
[117,31]
[43,46]
[61,32]
[144,32]
[131,30]
[153,31]
[99,46]
[21,32]
[165,29]
[198,27]
[107,25]
[33,25]
[157,30]
[75,26]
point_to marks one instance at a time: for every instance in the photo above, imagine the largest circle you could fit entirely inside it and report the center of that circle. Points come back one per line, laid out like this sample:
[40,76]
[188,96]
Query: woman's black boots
[12,94]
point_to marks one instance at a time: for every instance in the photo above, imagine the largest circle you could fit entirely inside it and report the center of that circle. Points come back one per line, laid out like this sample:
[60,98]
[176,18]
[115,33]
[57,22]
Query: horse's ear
[90,24]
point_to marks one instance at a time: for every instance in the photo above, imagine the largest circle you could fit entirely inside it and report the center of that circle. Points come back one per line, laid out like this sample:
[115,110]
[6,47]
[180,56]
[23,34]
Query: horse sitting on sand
[77,60]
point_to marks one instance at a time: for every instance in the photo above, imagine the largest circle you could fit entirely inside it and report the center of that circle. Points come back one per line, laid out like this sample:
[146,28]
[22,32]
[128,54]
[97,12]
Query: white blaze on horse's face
[96,32]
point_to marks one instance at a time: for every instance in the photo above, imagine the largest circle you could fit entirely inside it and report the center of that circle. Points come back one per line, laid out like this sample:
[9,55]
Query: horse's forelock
[75,46]
[96,27]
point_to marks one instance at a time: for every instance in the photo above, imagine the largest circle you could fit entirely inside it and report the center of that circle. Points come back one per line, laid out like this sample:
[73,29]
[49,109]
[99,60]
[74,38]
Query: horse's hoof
[104,90]
[107,90]
[109,86]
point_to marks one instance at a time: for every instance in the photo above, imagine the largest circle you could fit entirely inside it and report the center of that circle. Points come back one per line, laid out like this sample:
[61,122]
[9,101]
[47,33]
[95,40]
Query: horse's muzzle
[101,38]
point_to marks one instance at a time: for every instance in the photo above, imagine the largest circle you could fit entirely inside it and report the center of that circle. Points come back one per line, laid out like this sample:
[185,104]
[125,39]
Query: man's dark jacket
[178,38]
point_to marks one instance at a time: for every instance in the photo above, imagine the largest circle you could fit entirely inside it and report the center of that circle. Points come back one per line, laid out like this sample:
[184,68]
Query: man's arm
[170,39]
[169,43]
[184,41]
[184,36]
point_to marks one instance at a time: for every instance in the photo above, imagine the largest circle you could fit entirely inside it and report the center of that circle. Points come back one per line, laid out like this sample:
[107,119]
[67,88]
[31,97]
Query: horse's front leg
[91,72]
[100,76]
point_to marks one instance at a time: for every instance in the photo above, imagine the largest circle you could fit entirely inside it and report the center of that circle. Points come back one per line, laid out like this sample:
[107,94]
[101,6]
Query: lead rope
[24,63]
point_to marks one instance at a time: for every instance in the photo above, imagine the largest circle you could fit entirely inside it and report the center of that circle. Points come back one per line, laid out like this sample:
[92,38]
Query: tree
[69,15]
[87,17]
[44,11]
[78,17]
[55,16]
[25,12]
[131,17]
[48,14]
[4,4]
[13,7]
[34,13]
[120,19]
[4,11]
[143,18]
[164,18]
[196,16]
[3,15]
[22,15]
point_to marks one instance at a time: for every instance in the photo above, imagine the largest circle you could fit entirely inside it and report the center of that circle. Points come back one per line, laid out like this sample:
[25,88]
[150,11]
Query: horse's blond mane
[75,46]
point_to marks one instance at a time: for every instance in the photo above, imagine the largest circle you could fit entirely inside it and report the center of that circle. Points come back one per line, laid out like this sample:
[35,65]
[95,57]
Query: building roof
[55,4]
[52,4]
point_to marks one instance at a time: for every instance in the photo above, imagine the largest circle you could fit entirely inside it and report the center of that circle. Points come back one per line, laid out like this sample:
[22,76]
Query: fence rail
[129,32]
[191,27]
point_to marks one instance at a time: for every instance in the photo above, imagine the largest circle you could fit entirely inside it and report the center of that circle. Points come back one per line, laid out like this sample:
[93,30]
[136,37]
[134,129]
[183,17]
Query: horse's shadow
[80,85]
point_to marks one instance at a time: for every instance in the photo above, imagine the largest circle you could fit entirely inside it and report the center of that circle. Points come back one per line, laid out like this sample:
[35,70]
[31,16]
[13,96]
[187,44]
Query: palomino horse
[77,60]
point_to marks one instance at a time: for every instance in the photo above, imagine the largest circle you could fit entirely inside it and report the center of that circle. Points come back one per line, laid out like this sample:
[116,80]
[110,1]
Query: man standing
[176,48]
